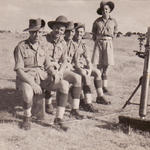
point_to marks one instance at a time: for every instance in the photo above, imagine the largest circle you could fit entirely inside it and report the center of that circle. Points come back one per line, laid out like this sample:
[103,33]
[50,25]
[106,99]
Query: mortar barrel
[145,80]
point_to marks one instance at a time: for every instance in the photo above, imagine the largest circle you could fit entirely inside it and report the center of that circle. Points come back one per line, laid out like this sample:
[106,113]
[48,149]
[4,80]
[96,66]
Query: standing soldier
[34,73]
[86,70]
[57,51]
[104,29]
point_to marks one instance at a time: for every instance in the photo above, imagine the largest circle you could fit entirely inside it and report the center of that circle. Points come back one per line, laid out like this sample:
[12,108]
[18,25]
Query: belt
[104,38]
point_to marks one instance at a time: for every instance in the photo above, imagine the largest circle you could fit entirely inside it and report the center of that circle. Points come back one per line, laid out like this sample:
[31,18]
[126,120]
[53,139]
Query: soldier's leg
[98,85]
[48,102]
[105,81]
[88,94]
[27,94]
[75,80]
[61,97]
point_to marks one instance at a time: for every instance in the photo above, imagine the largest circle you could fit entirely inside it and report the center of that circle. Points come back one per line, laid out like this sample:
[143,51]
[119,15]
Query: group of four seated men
[58,61]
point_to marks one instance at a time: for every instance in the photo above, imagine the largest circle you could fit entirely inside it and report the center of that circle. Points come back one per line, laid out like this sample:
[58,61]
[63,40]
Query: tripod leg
[128,101]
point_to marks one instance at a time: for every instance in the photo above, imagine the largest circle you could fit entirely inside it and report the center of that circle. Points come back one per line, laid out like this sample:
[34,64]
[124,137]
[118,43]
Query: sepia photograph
[75,75]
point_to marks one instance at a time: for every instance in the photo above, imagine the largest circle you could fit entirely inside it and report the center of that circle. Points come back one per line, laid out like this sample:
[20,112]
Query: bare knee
[97,74]
[64,86]
[27,92]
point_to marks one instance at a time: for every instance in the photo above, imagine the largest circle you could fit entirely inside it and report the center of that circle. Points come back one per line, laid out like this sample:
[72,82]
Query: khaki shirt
[34,62]
[82,57]
[56,50]
[72,48]
[103,28]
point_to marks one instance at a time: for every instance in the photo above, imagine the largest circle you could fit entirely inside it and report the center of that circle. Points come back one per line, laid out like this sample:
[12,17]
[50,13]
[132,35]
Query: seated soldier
[34,73]
[57,52]
[86,69]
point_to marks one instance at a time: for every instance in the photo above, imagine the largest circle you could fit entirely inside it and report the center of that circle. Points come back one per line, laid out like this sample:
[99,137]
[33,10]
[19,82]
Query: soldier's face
[35,35]
[79,33]
[70,34]
[59,30]
[106,10]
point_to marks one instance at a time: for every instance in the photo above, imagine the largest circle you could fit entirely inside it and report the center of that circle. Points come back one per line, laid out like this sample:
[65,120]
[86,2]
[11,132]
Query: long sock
[60,112]
[27,112]
[99,92]
[88,98]
[75,103]
[98,85]
[105,83]
[61,99]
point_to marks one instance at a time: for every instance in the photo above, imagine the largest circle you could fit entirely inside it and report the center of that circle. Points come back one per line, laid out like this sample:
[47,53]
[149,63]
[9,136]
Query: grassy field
[100,133]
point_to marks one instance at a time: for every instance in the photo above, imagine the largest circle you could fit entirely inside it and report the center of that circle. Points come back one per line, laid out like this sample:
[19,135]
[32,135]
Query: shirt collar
[31,45]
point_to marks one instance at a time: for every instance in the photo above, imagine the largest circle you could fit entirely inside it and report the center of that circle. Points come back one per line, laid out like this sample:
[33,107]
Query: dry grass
[101,133]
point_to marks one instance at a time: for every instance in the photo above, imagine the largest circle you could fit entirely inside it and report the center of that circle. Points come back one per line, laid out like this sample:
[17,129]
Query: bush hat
[79,25]
[59,20]
[70,26]
[35,24]
[109,3]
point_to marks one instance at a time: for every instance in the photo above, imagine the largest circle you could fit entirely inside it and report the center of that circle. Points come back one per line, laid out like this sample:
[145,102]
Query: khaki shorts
[103,54]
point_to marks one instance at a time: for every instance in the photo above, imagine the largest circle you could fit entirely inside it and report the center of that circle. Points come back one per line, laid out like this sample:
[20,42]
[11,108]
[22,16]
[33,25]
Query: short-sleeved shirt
[34,62]
[56,50]
[104,28]
[82,57]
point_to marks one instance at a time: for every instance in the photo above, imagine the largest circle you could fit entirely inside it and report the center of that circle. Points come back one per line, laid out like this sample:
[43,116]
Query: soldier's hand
[57,76]
[36,88]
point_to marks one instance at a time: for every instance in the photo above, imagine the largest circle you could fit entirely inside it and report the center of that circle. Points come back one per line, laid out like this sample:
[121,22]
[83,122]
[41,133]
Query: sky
[131,15]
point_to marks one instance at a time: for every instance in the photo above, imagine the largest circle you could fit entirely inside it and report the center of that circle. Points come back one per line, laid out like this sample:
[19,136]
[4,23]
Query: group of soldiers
[59,61]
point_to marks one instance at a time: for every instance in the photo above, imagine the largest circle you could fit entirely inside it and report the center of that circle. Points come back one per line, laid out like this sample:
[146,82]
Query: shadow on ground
[9,99]
[113,126]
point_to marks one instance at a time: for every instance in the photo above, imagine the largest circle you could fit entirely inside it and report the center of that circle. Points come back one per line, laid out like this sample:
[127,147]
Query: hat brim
[36,28]
[32,29]
[110,4]
[52,23]
[69,29]
[79,26]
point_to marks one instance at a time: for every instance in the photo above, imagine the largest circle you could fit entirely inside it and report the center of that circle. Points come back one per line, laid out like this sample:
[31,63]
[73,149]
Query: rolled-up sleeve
[19,63]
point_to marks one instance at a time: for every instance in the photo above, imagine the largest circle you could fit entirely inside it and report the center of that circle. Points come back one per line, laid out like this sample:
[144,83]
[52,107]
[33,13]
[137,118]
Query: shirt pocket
[28,58]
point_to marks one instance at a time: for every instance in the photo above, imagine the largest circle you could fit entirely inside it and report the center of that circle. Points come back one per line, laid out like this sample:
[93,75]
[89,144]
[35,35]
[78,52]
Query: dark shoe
[26,124]
[90,108]
[75,113]
[102,100]
[49,109]
[106,91]
[59,124]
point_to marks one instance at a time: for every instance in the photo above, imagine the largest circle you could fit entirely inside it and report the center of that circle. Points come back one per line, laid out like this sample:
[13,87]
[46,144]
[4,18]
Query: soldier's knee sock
[27,109]
[60,112]
[61,99]
[105,81]
[98,85]
[76,91]
[87,92]
[75,103]
[61,104]
[88,98]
